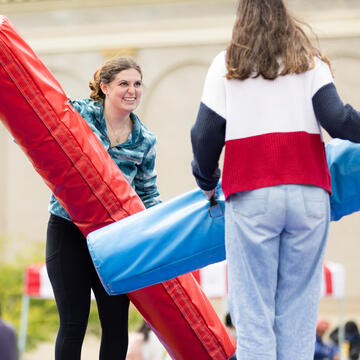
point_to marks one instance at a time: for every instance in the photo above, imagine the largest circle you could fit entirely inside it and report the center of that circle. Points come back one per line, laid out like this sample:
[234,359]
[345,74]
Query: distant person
[324,351]
[8,349]
[144,345]
[231,327]
[352,336]
[152,348]
[136,340]
[229,324]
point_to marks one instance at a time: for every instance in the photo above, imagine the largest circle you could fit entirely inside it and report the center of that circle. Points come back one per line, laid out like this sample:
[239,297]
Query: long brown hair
[106,73]
[268,41]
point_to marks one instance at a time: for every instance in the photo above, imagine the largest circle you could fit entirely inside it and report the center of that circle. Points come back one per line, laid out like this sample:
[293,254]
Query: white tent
[36,285]
[212,278]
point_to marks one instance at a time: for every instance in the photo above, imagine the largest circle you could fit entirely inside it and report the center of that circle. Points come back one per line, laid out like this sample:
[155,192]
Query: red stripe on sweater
[275,159]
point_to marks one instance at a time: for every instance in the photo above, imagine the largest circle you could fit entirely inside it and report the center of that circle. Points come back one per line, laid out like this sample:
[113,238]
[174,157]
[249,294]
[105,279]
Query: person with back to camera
[265,99]
[116,92]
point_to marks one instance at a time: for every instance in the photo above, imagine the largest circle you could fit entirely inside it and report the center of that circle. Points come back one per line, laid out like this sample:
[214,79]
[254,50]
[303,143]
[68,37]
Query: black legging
[72,277]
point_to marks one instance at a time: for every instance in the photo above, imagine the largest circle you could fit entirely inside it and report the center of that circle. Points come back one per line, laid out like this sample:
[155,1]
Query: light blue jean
[275,244]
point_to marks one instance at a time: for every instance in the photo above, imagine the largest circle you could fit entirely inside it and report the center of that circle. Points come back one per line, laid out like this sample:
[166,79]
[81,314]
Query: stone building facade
[174,41]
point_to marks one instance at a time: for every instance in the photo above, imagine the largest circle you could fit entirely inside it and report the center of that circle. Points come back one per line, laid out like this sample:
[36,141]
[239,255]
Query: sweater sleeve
[208,132]
[339,120]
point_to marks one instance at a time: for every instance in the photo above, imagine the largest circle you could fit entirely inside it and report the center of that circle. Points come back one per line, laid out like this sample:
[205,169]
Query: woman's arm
[145,179]
[208,132]
[339,120]
[207,139]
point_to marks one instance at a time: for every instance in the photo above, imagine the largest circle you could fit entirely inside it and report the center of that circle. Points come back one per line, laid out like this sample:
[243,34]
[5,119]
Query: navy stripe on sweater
[339,120]
[208,139]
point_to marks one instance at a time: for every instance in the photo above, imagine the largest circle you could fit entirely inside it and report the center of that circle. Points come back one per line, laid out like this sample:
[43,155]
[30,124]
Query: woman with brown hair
[265,99]
[116,91]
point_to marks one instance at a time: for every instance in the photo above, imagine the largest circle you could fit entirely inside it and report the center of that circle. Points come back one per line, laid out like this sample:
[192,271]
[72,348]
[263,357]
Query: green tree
[43,320]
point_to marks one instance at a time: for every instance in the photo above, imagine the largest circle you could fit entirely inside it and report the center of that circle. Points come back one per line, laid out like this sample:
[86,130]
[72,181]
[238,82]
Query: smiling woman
[116,91]
[123,95]
[118,84]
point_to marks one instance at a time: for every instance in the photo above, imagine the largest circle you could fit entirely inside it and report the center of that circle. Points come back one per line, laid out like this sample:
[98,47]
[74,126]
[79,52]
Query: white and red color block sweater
[270,129]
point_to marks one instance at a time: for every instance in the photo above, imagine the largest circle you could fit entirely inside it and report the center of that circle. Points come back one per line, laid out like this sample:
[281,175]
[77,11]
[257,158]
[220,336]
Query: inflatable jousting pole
[89,185]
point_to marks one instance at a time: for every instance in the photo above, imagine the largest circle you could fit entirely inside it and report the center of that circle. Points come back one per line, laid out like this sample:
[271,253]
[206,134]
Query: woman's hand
[210,193]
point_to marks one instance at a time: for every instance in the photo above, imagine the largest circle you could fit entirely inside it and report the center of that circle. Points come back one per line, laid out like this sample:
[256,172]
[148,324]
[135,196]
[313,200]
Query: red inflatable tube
[88,184]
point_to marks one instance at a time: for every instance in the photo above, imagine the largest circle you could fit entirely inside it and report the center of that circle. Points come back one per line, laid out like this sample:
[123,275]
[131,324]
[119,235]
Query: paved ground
[45,351]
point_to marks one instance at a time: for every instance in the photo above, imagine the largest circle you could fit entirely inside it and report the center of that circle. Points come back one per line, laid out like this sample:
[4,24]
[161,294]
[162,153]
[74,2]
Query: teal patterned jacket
[135,157]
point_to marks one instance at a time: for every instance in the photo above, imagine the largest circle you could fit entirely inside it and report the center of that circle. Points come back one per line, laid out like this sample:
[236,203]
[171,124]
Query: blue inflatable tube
[343,158]
[160,243]
[186,233]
